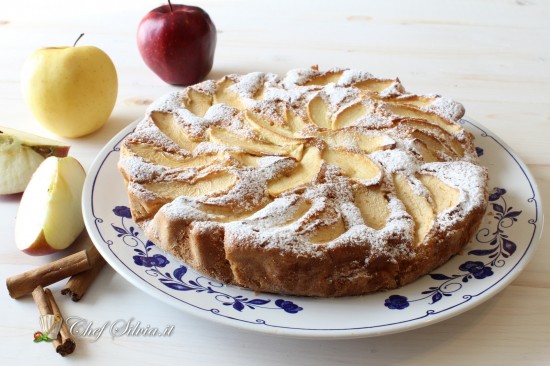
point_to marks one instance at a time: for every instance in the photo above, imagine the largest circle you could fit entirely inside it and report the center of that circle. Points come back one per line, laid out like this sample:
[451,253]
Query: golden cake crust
[329,183]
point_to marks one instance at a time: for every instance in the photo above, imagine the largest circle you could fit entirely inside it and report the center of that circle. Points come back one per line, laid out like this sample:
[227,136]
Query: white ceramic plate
[503,246]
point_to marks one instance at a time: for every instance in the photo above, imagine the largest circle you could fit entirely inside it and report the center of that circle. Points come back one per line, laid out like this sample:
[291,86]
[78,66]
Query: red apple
[177,42]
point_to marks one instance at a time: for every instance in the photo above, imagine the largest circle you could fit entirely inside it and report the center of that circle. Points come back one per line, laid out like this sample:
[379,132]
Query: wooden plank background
[492,55]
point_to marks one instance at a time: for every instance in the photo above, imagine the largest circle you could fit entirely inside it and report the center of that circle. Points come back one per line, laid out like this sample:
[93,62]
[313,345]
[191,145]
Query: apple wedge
[272,133]
[226,96]
[375,85]
[352,164]
[303,173]
[373,206]
[430,117]
[50,217]
[443,195]
[253,146]
[435,131]
[155,155]
[20,154]
[167,124]
[317,110]
[325,78]
[417,206]
[349,115]
[295,123]
[215,182]
[367,141]
[197,102]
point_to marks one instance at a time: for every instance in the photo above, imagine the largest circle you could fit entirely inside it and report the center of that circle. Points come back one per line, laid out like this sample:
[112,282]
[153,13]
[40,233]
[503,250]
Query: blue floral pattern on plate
[500,248]
[176,281]
[486,266]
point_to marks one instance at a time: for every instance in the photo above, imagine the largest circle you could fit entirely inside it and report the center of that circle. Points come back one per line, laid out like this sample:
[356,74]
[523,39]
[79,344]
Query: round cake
[321,183]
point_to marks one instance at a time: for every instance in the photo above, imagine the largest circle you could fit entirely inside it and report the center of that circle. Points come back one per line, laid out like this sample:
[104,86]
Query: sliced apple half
[20,154]
[50,217]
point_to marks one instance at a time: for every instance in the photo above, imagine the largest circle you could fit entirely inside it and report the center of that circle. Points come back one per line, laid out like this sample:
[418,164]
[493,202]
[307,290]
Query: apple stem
[170,5]
[78,39]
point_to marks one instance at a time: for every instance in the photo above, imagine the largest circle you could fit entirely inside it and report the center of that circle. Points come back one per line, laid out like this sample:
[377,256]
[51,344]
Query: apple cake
[321,183]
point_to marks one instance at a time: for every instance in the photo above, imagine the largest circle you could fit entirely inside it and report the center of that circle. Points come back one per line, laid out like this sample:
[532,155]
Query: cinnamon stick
[46,304]
[24,283]
[79,283]
[41,301]
[64,344]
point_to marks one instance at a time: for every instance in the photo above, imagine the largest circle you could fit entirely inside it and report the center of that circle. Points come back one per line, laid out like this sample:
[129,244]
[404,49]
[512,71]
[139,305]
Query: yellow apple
[70,90]
[49,217]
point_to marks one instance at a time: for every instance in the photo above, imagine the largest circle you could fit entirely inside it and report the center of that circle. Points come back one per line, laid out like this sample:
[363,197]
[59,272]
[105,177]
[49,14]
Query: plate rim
[432,316]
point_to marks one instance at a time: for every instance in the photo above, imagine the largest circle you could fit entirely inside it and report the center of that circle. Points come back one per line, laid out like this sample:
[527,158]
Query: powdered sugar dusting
[338,95]
[290,220]
[395,89]
[166,103]
[446,108]
[467,177]
[139,169]
[396,161]
[351,77]
[147,132]
[249,84]
[195,126]
[298,77]
[220,113]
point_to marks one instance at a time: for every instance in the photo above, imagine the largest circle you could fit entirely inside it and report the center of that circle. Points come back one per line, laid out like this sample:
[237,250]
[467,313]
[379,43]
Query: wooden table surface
[491,55]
